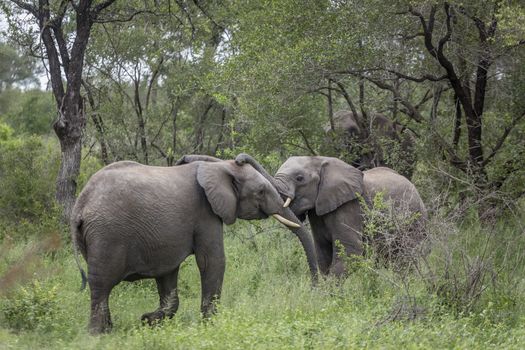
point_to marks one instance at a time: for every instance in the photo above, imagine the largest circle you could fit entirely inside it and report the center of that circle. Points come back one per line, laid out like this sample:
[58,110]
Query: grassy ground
[267,303]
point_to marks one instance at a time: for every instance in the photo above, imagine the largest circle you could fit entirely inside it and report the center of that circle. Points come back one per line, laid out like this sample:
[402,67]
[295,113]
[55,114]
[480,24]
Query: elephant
[370,139]
[133,221]
[328,190]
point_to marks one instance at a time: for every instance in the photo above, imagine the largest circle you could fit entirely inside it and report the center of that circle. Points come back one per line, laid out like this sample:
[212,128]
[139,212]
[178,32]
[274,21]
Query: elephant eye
[299,178]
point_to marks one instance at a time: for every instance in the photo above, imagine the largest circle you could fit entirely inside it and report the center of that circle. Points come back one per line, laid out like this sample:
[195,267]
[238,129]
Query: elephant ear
[217,179]
[339,183]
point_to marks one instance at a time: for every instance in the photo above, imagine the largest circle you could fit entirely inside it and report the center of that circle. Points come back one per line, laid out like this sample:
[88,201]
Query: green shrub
[31,307]
[28,111]
[28,168]
[89,166]
[6,132]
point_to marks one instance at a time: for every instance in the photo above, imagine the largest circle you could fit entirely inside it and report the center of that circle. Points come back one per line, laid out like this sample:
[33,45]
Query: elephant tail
[78,244]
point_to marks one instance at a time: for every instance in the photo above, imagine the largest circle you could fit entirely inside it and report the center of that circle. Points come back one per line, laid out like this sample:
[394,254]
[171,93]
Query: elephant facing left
[133,221]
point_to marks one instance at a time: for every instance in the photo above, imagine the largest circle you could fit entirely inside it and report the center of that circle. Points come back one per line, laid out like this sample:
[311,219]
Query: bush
[29,111]
[28,167]
[31,307]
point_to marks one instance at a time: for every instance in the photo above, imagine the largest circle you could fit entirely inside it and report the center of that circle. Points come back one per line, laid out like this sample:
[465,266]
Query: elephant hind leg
[100,320]
[168,296]
[104,272]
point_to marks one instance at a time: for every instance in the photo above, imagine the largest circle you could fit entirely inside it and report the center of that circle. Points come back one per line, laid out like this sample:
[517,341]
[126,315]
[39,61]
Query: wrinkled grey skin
[326,189]
[355,128]
[133,221]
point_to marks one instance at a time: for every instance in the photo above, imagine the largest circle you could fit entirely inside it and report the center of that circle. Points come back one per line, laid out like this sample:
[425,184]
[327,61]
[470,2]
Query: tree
[15,68]
[440,69]
[470,91]
[150,84]
[64,53]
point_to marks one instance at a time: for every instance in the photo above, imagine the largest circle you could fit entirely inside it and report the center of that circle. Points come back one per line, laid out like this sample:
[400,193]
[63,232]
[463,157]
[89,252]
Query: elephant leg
[168,297]
[100,320]
[209,253]
[105,271]
[323,246]
[324,254]
[345,225]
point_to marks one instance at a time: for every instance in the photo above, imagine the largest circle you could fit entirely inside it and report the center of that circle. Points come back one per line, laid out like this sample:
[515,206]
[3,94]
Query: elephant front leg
[168,296]
[211,262]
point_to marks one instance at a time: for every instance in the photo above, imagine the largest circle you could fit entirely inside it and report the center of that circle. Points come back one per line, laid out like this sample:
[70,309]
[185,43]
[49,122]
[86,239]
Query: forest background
[86,83]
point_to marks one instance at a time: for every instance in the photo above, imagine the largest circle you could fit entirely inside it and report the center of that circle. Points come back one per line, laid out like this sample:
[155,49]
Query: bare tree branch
[412,111]
[307,144]
[154,76]
[347,97]
[425,77]
[100,7]
[127,18]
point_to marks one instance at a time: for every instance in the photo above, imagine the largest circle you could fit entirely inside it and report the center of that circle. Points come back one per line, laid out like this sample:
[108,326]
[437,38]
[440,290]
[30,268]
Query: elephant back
[395,187]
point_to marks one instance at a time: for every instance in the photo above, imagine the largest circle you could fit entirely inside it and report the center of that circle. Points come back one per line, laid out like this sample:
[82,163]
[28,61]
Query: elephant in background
[133,221]
[377,141]
[328,189]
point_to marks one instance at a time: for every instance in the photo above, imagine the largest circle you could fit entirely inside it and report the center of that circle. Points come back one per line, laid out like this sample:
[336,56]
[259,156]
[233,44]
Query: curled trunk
[244,158]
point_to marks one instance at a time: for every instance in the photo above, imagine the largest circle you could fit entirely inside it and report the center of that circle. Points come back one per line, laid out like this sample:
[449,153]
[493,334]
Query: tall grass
[268,302]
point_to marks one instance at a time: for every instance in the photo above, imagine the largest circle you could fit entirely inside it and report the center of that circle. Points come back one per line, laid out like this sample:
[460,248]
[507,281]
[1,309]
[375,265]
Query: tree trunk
[66,67]
[457,124]
[174,114]
[330,106]
[99,124]
[141,122]
[199,131]
[221,132]
[66,185]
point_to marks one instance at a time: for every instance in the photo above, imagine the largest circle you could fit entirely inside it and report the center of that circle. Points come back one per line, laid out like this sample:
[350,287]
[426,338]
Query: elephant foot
[100,321]
[153,318]
[100,326]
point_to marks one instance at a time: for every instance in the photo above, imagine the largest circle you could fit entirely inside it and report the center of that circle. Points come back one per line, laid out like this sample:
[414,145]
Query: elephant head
[235,191]
[359,127]
[326,189]
[315,183]
[372,138]
[257,197]
[322,184]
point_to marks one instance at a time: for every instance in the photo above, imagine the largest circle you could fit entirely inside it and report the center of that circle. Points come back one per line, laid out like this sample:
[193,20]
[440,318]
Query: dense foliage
[160,79]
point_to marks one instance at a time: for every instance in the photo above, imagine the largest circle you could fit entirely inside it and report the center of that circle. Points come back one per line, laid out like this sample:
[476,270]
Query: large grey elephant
[327,190]
[133,221]
[377,141]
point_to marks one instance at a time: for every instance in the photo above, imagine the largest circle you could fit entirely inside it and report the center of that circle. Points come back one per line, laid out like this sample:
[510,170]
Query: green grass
[267,303]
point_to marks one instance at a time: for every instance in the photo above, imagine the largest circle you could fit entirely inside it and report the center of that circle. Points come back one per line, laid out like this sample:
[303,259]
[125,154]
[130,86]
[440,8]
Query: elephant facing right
[328,190]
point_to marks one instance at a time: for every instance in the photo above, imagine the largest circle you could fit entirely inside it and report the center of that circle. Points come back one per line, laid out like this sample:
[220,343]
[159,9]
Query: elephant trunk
[244,158]
[308,245]
[277,183]
[304,236]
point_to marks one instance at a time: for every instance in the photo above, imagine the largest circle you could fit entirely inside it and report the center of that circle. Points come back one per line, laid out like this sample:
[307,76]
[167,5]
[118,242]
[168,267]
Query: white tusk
[285,221]
[287,203]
